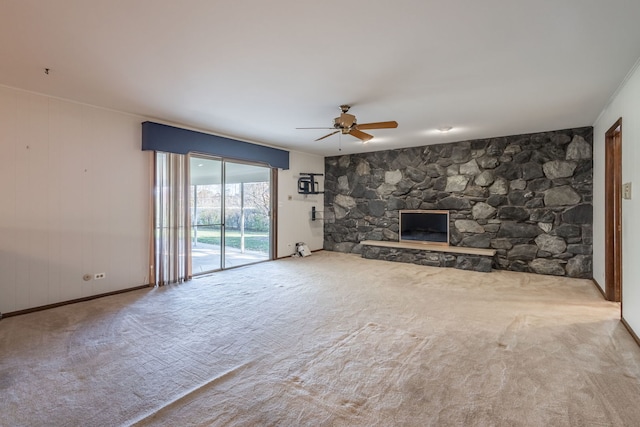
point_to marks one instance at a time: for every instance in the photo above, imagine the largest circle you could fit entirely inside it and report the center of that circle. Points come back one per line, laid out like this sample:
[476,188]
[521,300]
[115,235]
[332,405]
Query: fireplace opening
[424,226]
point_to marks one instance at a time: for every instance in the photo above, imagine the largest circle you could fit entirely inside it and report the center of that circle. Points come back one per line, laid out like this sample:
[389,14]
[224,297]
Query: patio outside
[240,248]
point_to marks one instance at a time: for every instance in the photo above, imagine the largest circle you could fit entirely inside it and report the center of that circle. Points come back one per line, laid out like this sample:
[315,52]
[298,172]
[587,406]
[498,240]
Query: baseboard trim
[598,287]
[73,301]
[631,331]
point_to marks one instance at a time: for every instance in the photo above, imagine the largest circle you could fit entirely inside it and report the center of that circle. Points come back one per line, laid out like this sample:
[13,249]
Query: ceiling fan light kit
[347,125]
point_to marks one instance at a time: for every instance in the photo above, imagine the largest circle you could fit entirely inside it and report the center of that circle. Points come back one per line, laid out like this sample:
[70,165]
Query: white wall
[73,200]
[294,210]
[625,104]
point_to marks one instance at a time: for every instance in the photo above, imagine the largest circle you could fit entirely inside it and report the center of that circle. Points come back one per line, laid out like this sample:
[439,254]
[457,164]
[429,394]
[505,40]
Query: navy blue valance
[170,139]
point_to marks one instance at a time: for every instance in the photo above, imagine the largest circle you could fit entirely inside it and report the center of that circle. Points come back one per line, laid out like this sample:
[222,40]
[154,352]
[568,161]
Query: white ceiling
[256,70]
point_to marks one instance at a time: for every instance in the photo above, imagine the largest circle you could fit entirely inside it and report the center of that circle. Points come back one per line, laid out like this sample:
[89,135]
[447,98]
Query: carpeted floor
[328,340]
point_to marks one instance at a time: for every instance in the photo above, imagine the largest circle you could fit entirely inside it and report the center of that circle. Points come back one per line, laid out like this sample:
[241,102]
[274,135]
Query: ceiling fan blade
[360,135]
[378,125]
[326,136]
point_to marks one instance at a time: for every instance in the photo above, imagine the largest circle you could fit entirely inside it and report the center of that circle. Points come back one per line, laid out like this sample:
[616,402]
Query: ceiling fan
[347,124]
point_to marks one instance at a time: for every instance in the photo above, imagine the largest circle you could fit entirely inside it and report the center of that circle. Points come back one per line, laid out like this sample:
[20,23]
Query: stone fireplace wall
[527,196]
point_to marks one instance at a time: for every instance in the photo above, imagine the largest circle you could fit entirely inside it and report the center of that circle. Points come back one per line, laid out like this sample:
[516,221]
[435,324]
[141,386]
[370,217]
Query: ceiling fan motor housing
[346,125]
[345,121]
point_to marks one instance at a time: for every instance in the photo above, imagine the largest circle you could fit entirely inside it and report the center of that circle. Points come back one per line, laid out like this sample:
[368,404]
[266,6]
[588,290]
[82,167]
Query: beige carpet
[328,340]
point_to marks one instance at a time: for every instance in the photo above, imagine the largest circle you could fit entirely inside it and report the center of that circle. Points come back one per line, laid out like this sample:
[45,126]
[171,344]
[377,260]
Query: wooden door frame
[613,212]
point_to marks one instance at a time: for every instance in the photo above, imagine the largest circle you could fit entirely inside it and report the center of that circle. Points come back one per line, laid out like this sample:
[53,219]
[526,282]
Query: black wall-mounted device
[307,183]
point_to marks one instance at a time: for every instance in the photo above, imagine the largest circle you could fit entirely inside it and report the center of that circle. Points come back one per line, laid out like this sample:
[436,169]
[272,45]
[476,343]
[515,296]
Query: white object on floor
[304,250]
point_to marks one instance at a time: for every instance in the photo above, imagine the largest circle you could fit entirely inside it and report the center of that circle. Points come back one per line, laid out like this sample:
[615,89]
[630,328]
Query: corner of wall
[294,210]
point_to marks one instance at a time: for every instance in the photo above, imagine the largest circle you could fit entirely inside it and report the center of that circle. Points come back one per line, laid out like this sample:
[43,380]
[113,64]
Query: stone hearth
[433,255]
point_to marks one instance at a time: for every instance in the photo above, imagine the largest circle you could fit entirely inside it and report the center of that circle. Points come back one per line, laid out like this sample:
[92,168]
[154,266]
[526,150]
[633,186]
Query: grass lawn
[253,241]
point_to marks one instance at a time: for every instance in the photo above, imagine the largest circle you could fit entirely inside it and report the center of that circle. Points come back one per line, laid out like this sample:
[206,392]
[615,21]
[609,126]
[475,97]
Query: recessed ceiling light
[200,165]
[445,129]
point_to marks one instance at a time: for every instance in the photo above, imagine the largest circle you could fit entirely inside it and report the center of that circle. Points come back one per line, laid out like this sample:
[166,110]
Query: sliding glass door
[247,203]
[206,191]
[230,214]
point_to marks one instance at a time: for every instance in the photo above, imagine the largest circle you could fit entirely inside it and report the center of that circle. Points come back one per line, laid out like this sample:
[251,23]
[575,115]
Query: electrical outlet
[99,276]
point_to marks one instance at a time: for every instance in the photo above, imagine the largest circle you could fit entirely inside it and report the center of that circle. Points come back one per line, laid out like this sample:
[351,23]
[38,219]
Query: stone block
[390,235]
[559,169]
[513,212]
[518,184]
[581,214]
[456,183]
[519,197]
[496,147]
[542,215]
[392,177]
[522,157]
[345,247]
[461,153]
[394,204]
[512,149]
[531,170]
[535,202]
[580,249]
[579,149]
[416,175]
[547,266]
[434,170]
[363,168]
[540,184]
[482,210]
[468,226]
[476,192]
[484,179]
[561,196]
[501,244]
[568,230]
[477,241]
[469,168]
[496,200]
[551,244]
[508,170]
[580,266]
[454,203]
[346,202]
[523,252]
[545,226]
[377,208]
[500,186]
[487,162]
[518,230]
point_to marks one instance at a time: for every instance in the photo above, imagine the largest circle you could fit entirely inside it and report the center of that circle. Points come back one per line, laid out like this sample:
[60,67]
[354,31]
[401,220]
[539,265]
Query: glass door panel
[206,190]
[247,206]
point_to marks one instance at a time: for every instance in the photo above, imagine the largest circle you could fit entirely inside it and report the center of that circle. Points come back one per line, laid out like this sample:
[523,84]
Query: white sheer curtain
[171,245]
